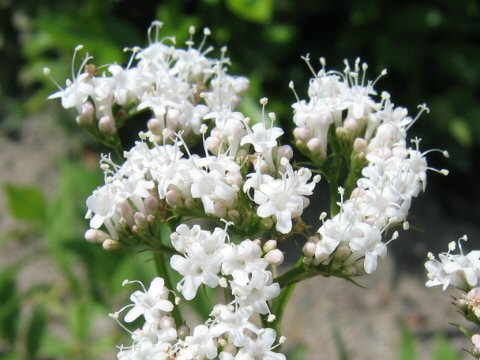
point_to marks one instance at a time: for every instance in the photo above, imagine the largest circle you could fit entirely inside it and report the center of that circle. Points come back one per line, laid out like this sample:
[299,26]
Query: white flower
[284,198]
[150,303]
[260,348]
[367,241]
[257,292]
[241,260]
[202,343]
[201,262]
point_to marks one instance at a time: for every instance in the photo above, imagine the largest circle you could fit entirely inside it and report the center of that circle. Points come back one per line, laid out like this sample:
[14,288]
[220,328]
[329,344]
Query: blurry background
[54,286]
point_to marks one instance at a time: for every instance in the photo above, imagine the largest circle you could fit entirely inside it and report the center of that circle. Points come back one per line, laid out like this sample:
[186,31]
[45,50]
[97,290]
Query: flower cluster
[461,271]
[179,87]
[391,173]
[207,258]
[244,177]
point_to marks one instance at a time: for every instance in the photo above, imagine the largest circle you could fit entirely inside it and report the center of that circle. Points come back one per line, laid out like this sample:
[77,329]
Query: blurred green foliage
[58,320]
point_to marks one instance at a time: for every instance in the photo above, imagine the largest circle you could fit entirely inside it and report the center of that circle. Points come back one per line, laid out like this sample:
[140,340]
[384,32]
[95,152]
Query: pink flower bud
[274,257]
[140,220]
[151,204]
[302,133]
[106,125]
[96,236]
[309,249]
[315,146]
[167,322]
[285,151]
[350,125]
[173,118]
[155,126]
[173,198]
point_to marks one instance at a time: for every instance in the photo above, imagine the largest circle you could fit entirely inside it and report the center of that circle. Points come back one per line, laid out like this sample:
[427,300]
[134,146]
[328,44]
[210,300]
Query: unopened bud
[96,236]
[275,257]
[360,145]
[302,133]
[140,220]
[86,116]
[167,322]
[151,204]
[342,252]
[111,245]
[258,242]
[183,331]
[106,125]
[173,198]
[173,118]
[269,245]
[309,249]
[315,146]
[350,125]
[155,126]
[285,151]
[233,214]
[349,271]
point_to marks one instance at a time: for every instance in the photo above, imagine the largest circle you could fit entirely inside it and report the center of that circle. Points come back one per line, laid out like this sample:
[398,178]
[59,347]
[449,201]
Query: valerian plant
[215,218]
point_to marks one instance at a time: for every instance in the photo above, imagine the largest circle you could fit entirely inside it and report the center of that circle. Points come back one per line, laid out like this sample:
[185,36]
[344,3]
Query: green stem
[164,272]
[334,208]
[279,306]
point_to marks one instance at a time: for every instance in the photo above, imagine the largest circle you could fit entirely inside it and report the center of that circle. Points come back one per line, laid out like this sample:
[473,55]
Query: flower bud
[275,257]
[349,271]
[233,214]
[213,144]
[151,204]
[309,249]
[219,209]
[140,220]
[342,252]
[106,125]
[111,245]
[167,322]
[86,116]
[173,198]
[360,145]
[96,236]
[285,151]
[314,145]
[173,118]
[183,331]
[155,126]
[350,125]
[269,245]
[302,133]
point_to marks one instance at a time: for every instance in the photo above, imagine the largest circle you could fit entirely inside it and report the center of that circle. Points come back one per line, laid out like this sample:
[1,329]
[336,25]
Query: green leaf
[461,131]
[340,345]
[35,332]
[443,350]
[10,309]
[26,202]
[259,11]
[299,352]
[407,346]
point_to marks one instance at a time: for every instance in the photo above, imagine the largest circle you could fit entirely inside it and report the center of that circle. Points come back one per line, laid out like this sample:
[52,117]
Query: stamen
[306,58]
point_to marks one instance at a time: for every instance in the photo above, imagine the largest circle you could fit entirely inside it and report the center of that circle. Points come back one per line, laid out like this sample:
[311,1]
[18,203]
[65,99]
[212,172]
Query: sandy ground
[368,319]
